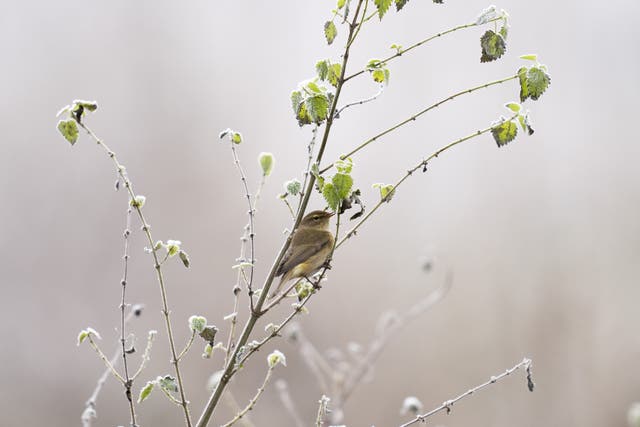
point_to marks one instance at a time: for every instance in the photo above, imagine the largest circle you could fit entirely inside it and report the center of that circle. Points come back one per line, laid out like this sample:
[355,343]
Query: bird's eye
[315,218]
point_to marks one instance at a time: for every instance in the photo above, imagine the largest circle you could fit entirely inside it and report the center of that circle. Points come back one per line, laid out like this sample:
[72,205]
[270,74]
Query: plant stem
[257,312]
[253,400]
[415,116]
[163,292]
[410,172]
[420,43]
[128,382]
[526,363]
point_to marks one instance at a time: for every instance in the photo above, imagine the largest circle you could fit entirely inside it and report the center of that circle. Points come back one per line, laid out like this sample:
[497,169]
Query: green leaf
[293,187]
[386,191]
[276,357]
[525,123]
[197,323]
[82,336]
[315,171]
[146,391]
[342,184]
[331,195]
[383,6]
[138,202]
[340,4]
[400,4]
[168,383]
[504,132]
[313,87]
[172,247]
[317,107]
[344,165]
[487,15]
[538,81]
[266,162]
[69,129]
[322,68]
[330,31]
[513,107]
[493,46]
[334,74]
[184,257]
[529,57]
[524,84]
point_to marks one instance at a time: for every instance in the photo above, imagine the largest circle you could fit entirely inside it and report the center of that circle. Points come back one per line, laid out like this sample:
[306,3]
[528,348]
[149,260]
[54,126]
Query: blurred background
[542,236]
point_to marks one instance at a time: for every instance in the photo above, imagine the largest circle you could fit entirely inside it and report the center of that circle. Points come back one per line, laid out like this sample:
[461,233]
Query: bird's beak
[331,214]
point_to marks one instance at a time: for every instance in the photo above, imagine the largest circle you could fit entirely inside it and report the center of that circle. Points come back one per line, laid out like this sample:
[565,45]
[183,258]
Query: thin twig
[322,410]
[253,400]
[420,43]
[146,356]
[446,406]
[188,345]
[229,369]
[90,407]
[128,382]
[163,291]
[361,102]
[236,289]
[410,172]
[235,408]
[307,170]
[287,402]
[104,359]
[251,230]
[418,114]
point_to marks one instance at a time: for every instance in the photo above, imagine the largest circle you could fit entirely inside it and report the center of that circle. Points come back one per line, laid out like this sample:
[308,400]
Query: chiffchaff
[309,250]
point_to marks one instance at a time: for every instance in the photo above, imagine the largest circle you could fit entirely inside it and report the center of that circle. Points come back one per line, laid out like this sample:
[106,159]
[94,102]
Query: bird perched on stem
[309,250]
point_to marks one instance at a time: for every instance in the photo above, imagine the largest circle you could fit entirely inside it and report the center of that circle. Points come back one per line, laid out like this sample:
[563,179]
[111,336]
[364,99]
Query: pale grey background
[542,235]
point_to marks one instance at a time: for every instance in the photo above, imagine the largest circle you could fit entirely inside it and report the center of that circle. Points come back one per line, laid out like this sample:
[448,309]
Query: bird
[309,250]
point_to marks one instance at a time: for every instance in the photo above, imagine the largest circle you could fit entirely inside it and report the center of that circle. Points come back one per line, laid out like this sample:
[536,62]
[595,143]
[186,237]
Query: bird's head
[316,219]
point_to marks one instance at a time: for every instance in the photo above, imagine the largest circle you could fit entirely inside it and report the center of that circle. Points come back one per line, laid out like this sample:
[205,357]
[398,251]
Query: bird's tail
[285,278]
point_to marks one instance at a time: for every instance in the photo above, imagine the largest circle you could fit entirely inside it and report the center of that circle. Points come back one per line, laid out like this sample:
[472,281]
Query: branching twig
[229,368]
[361,102]
[420,43]
[90,407]
[163,292]
[253,400]
[418,114]
[446,406]
[188,345]
[104,359]
[410,172]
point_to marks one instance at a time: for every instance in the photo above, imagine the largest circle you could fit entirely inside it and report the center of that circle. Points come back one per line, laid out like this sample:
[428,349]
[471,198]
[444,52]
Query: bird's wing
[303,252]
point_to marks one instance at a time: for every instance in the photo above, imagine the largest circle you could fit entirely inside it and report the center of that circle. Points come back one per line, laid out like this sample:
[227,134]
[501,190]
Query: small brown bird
[311,245]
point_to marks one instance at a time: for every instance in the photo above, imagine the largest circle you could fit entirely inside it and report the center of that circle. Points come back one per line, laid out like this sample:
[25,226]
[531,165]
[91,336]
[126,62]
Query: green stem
[415,116]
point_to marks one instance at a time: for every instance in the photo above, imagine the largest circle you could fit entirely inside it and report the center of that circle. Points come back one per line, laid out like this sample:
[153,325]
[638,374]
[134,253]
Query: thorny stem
[420,43]
[410,172]
[128,381]
[526,364]
[257,312]
[415,116]
[163,292]
[253,400]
